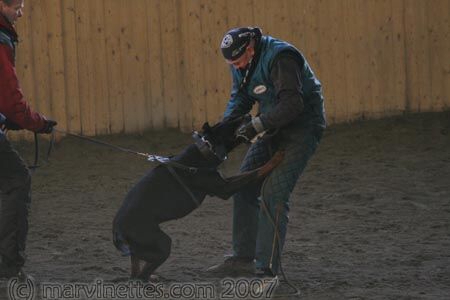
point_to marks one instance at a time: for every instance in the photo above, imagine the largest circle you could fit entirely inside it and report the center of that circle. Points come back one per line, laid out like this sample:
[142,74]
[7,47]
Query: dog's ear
[206,126]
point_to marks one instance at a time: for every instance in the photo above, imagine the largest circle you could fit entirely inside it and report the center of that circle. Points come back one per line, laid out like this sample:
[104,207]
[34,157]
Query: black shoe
[7,271]
[233,266]
[12,271]
[263,273]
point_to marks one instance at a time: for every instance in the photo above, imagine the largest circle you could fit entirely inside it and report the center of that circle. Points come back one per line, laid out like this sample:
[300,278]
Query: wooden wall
[110,66]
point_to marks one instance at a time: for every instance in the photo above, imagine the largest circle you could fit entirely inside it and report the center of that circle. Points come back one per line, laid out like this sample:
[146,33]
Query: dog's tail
[276,159]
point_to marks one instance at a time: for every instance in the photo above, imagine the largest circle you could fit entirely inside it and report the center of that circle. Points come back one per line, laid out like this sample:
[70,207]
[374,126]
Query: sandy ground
[370,218]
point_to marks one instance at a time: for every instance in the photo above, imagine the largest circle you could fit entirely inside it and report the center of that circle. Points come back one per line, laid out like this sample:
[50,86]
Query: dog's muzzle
[207,149]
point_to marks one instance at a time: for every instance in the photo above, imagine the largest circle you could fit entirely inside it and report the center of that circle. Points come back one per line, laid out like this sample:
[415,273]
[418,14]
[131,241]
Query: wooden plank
[408,57]
[310,26]
[352,19]
[439,50]
[446,56]
[113,56]
[331,50]
[386,86]
[312,34]
[184,123]
[57,94]
[277,21]
[295,14]
[366,67]
[169,44]
[211,36]
[417,56]
[40,58]
[185,68]
[194,116]
[223,84]
[338,80]
[292,14]
[71,66]
[86,80]
[379,71]
[366,31]
[239,13]
[154,67]
[133,43]
[259,15]
[398,99]
[100,96]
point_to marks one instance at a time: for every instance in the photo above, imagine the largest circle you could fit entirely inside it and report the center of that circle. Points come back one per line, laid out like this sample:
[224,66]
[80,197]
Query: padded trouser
[15,186]
[260,208]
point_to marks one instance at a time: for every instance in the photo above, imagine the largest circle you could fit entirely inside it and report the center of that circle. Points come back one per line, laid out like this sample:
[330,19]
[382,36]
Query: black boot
[233,266]
[11,271]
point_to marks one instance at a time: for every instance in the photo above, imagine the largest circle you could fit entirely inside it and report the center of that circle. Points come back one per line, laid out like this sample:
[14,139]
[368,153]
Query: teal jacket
[261,89]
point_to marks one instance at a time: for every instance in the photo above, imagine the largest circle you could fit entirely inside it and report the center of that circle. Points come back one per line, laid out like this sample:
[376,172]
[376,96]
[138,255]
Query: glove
[48,126]
[11,125]
[249,130]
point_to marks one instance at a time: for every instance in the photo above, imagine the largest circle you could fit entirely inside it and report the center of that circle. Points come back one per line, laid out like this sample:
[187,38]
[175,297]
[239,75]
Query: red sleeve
[12,102]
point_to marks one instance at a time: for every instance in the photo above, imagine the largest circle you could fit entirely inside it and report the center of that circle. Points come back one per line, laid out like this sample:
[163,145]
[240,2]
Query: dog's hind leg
[153,249]
[147,271]
[135,266]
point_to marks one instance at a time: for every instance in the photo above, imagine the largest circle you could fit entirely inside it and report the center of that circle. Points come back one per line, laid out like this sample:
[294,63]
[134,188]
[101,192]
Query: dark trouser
[15,186]
[261,212]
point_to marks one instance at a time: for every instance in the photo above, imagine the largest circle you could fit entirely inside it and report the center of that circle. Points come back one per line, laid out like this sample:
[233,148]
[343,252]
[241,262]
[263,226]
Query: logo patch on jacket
[259,89]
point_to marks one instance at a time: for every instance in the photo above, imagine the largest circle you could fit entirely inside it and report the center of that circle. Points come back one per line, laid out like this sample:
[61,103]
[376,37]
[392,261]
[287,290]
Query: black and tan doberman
[173,190]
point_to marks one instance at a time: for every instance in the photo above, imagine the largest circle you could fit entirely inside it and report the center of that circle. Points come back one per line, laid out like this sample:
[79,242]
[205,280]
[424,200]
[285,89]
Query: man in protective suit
[277,76]
[15,180]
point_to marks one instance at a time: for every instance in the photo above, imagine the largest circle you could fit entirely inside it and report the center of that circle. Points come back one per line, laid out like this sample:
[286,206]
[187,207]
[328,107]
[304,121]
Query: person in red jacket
[15,180]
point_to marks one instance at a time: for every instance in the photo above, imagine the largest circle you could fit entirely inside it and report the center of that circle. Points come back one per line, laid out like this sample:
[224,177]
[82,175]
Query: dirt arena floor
[370,218]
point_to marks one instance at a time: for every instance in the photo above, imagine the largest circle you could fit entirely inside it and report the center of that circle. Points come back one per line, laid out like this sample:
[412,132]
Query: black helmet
[236,40]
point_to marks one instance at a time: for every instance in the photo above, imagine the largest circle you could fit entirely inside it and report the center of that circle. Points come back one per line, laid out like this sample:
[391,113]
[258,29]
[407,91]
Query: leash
[35,165]
[98,142]
[277,245]
[166,161]
[150,157]
[183,185]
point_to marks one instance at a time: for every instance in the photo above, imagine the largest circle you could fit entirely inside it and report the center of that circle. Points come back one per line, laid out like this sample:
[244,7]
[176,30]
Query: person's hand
[48,126]
[247,132]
